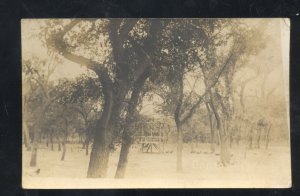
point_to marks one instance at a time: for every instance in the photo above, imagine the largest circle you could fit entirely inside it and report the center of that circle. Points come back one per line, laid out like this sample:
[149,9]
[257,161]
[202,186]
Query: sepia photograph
[155,103]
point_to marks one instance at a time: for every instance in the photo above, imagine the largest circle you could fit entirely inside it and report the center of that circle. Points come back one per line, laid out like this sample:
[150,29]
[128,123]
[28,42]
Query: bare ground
[248,168]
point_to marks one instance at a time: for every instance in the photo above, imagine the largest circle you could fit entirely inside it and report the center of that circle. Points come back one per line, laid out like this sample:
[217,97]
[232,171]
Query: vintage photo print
[155,103]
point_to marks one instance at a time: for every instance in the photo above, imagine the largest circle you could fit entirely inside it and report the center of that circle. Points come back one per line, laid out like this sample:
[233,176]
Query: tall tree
[148,51]
[118,71]
[230,44]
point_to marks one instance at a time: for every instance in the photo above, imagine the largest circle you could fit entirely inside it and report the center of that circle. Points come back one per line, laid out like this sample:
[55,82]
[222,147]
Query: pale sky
[32,46]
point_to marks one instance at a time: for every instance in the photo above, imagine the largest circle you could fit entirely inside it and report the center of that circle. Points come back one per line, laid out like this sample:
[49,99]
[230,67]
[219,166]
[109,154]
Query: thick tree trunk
[100,151]
[123,159]
[99,156]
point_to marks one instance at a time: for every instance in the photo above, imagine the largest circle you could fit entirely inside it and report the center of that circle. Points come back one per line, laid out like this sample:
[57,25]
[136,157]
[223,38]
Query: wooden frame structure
[152,137]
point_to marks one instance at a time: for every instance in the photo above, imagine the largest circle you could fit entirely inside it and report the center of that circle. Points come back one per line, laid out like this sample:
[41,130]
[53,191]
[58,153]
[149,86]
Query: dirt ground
[248,168]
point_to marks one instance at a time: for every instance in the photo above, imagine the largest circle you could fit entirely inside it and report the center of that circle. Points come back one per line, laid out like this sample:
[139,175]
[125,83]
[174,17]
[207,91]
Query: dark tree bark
[127,139]
[99,156]
[123,158]
[100,151]
[107,126]
[114,95]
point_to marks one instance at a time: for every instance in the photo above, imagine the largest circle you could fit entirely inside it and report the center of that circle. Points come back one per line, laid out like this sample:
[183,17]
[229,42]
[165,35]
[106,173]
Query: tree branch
[200,99]
[61,46]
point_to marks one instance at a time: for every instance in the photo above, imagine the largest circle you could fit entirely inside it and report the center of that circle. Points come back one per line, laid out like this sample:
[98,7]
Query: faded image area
[155,103]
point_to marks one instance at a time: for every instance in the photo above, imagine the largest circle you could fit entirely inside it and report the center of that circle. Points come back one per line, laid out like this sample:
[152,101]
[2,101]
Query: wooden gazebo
[152,136]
